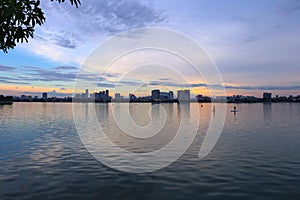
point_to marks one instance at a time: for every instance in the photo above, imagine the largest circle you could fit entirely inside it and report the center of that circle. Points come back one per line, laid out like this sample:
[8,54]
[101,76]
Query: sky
[254,44]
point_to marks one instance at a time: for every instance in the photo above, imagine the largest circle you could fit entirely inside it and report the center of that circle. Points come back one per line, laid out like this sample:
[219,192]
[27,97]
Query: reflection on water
[256,157]
[267,109]
[162,120]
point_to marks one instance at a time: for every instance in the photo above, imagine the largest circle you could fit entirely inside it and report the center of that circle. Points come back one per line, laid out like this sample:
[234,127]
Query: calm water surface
[256,157]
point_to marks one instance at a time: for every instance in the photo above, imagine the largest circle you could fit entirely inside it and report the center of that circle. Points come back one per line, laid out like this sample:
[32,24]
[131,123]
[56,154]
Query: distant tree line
[6,99]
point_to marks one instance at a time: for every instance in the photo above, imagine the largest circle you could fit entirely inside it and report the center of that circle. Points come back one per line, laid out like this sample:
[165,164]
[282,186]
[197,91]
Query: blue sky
[255,44]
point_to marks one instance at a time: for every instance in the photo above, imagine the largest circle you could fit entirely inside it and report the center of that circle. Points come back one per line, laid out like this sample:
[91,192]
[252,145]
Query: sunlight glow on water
[256,157]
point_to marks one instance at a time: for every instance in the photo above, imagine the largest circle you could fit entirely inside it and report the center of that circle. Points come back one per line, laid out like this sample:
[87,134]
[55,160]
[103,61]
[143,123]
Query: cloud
[14,82]
[10,80]
[164,79]
[292,87]
[65,39]
[259,87]
[60,73]
[65,74]
[251,39]
[289,6]
[69,27]
[6,68]
[111,75]
[173,84]
[49,75]
[66,68]
[106,85]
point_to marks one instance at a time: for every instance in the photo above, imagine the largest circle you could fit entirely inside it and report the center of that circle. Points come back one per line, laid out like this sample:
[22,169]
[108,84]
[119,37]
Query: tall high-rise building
[155,94]
[183,95]
[45,95]
[86,94]
[267,97]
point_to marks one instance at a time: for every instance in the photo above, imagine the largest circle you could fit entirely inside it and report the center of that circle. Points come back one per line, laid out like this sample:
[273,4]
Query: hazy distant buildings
[92,97]
[183,95]
[201,98]
[118,97]
[101,96]
[267,97]
[242,99]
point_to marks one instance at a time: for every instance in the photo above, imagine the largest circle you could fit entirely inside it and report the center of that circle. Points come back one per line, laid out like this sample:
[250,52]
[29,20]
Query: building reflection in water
[184,111]
[102,112]
[267,112]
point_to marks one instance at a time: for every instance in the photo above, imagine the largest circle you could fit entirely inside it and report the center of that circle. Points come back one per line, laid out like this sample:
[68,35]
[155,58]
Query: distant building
[267,97]
[201,98]
[45,96]
[183,95]
[132,97]
[92,97]
[155,94]
[171,95]
[86,94]
[117,96]
[164,96]
[102,96]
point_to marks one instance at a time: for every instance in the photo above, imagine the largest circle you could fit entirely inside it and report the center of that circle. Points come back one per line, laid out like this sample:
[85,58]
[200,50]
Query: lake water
[256,157]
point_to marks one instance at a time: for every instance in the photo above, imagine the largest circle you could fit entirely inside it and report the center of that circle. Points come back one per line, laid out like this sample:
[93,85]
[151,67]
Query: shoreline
[6,102]
[142,102]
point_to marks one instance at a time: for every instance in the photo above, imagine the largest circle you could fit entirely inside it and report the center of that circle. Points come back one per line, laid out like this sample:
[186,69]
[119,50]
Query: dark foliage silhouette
[18,19]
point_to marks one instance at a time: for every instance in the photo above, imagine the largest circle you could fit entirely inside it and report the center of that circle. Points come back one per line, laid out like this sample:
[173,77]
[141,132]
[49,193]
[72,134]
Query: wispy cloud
[251,39]
[106,85]
[96,17]
[9,80]
[66,68]
[274,87]
[289,6]
[65,39]
[179,85]
[6,68]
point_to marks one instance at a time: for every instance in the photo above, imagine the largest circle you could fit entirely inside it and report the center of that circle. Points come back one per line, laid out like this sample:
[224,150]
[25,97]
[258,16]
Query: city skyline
[157,96]
[142,99]
[250,59]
